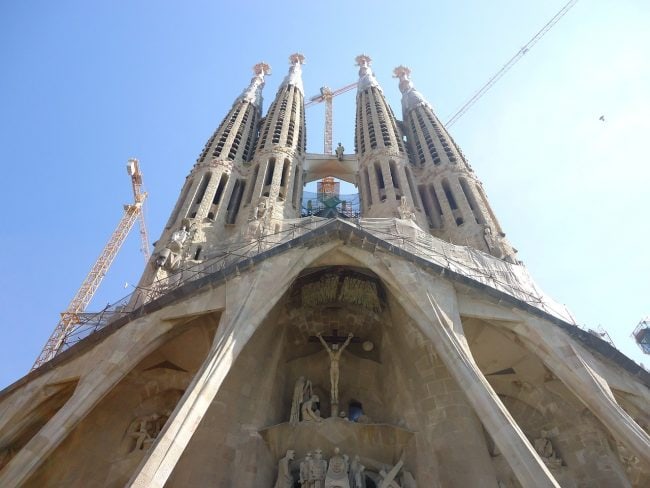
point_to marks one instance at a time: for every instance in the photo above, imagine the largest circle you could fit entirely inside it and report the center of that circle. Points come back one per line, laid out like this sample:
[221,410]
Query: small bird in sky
[602,117]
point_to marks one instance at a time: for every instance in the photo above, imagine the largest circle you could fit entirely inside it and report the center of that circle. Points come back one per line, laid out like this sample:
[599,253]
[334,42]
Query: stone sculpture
[388,477]
[285,478]
[318,470]
[337,471]
[301,392]
[305,469]
[144,431]
[335,357]
[308,411]
[356,474]
[339,152]
[260,210]
[546,451]
[405,211]
[408,481]
[170,256]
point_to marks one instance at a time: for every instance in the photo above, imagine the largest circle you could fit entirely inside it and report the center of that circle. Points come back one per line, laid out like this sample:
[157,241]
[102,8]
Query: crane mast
[84,295]
[326,96]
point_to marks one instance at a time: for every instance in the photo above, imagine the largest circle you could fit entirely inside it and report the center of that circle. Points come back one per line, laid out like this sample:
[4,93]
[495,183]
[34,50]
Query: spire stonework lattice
[385,180]
[453,199]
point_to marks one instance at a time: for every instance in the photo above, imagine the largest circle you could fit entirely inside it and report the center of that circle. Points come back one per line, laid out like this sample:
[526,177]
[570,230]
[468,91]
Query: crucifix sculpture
[334,351]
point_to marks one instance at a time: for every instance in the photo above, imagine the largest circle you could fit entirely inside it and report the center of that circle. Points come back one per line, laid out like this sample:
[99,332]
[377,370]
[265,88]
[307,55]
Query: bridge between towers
[319,166]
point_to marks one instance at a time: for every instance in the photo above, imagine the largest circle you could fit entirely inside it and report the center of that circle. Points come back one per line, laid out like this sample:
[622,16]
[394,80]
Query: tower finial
[410,96]
[295,72]
[403,73]
[363,60]
[366,78]
[253,93]
[262,69]
[297,58]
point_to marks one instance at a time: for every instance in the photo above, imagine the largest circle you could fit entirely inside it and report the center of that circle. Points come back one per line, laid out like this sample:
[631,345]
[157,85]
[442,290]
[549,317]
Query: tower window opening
[235,201]
[427,206]
[197,254]
[302,136]
[368,193]
[296,186]
[409,180]
[267,124]
[204,186]
[222,185]
[270,168]
[253,180]
[380,176]
[449,194]
[285,170]
[471,200]
[396,129]
[181,202]
[436,214]
[394,174]
[278,121]
[226,132]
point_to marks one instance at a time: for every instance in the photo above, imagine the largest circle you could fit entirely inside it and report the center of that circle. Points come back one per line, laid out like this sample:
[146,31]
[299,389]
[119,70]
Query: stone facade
[291,352]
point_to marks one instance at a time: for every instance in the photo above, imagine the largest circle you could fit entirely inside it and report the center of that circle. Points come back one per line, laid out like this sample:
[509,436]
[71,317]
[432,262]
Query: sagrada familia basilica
[403,345]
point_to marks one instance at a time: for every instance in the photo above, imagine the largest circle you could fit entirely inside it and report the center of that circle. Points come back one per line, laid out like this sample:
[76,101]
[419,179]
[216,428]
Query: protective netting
[330,205]
[512,279]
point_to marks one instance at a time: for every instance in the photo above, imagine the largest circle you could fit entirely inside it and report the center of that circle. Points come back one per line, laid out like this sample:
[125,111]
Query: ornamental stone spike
[253,93]
[295,72]
[410,96]
[366,77]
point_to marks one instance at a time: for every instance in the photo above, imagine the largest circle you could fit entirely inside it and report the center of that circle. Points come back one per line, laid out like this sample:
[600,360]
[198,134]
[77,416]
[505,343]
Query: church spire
[234,139]
[253,94]
[452,197]
[274,182]
[285,120]
[295,72]
[366,76]
[376,127]
[385,180]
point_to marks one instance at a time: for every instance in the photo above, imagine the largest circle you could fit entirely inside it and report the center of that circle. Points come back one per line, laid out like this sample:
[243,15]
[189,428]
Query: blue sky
[86,85]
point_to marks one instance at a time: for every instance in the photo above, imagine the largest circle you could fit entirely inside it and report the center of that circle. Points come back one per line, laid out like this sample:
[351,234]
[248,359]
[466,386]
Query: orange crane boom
[326,96]
[91,283]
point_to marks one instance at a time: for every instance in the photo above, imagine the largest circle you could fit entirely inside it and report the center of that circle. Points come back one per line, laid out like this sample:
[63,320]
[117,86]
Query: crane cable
[490,83]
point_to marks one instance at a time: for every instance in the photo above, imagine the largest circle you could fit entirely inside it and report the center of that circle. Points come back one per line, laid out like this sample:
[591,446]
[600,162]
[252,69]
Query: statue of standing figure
[301,392]
[285,478]
[335,357]
[339,152]
[357,476]
[318,470]
[305,468]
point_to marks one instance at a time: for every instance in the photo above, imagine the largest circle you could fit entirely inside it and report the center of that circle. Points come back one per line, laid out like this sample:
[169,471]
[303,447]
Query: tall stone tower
[451,196]
[268,347]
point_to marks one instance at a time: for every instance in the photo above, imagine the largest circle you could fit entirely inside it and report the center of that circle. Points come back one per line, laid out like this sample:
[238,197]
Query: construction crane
[642,335]
[71,317]
[326,96]
[520,54]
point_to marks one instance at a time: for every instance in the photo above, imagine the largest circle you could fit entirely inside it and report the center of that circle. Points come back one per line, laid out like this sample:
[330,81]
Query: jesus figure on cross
[335,356]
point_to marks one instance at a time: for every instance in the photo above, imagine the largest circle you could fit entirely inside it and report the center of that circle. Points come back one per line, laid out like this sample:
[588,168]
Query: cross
[335,338]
